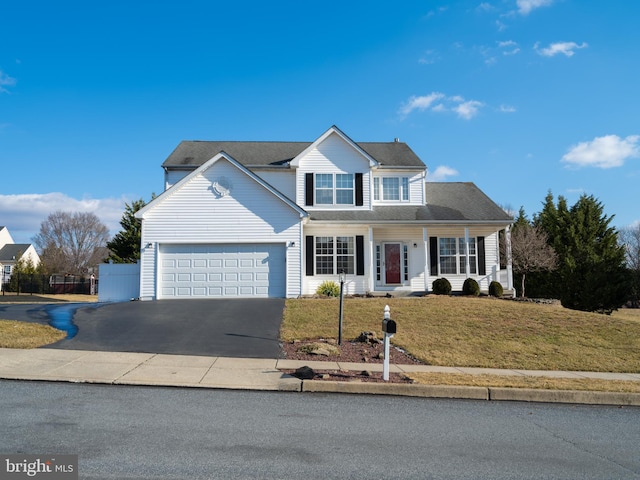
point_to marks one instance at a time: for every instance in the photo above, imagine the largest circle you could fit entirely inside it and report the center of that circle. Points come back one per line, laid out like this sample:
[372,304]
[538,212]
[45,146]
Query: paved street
[167,433]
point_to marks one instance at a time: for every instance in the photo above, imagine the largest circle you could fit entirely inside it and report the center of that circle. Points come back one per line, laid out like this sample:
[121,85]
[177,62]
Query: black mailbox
[388,326]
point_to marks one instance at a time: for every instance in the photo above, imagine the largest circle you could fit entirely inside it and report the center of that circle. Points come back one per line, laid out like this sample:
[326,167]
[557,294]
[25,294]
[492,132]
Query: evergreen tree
[591,275]
[125,245]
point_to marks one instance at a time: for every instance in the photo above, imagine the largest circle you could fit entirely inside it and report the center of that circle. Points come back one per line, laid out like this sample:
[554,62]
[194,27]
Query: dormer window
[391,189]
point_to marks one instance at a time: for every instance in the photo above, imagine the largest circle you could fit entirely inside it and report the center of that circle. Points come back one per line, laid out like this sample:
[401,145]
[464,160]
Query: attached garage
[216,271]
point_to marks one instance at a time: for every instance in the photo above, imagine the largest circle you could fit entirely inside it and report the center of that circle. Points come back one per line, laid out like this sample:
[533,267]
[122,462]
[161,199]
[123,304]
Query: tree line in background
[573,254]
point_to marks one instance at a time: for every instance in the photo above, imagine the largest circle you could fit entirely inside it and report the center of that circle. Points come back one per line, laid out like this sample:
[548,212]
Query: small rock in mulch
[317,348]
[368,337]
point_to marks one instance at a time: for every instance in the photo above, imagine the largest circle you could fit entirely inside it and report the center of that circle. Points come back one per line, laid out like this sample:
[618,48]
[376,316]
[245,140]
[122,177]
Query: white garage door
[206,271]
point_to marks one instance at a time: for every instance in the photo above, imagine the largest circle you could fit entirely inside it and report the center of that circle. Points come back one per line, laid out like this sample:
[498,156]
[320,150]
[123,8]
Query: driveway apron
[212,327]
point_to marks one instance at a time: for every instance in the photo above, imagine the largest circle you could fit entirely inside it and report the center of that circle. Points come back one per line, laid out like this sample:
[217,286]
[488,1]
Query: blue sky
[520,97]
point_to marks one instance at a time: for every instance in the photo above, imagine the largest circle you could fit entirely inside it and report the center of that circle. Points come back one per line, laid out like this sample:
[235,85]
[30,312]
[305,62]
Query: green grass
[480,332]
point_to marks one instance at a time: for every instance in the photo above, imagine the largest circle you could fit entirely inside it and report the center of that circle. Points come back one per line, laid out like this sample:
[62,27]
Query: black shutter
[359,254]
[359,195]
[308,189]
[433,255]
[309,255]
[482,266]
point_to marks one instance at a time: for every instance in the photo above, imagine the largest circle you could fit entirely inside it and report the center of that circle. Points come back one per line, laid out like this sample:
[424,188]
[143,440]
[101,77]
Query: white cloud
[22,214]
[507,109]
[485,7]
[526,6]
[509,47]
[6,81]
[565,48]
[441,173]
[468,110]
[439,102]
[420,103]
[603,152]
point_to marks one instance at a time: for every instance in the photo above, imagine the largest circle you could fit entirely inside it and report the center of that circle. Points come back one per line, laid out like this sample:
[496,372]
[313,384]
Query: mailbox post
[389,328]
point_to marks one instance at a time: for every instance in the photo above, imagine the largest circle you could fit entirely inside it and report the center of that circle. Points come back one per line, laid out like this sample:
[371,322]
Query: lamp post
[341,276]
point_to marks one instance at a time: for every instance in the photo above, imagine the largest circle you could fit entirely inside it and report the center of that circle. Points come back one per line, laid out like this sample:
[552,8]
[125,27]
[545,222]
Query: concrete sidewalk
[121,368]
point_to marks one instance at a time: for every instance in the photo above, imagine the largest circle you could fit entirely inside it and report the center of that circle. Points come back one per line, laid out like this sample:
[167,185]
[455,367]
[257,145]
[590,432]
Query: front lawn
[480,332]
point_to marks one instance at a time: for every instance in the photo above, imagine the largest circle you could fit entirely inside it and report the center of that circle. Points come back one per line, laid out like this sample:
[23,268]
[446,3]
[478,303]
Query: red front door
[392,270]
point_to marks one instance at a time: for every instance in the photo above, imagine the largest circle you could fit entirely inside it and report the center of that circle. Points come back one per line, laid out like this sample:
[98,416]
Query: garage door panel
[222,270]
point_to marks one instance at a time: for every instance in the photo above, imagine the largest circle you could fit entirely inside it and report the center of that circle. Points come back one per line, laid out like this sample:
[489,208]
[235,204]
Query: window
[335,254]
[453,256]
[344,188]
[393,189]
[324,189]
[324,255]
[7,269]
[335,189]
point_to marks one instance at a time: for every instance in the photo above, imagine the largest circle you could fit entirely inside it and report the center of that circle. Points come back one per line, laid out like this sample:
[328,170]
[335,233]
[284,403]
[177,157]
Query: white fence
[119,282]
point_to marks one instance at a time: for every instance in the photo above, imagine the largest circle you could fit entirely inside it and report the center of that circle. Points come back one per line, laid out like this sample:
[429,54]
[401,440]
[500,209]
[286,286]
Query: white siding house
[244,219]
[11,253]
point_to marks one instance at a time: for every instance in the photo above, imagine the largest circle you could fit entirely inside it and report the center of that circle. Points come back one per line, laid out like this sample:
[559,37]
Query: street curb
[402,389]
[475,393]
[565,396]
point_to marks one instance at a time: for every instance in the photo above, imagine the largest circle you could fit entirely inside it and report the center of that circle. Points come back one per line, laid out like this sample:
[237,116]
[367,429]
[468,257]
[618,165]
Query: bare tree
[72,242]
[530,251]
[629,237]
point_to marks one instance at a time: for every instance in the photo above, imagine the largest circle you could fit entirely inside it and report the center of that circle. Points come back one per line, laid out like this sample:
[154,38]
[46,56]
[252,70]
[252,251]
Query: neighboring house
[11,252]
[276,219]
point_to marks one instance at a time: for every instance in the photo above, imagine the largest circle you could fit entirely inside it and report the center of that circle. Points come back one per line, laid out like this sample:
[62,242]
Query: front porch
[403,260]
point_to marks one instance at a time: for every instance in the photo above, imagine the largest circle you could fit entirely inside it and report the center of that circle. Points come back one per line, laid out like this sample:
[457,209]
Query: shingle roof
[264,154]
[9,251]
[446,202]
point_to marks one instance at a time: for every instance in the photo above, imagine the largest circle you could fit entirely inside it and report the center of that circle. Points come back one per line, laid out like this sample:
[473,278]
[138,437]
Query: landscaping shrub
[328,288]
[495,289]
[470,287]
[441,286]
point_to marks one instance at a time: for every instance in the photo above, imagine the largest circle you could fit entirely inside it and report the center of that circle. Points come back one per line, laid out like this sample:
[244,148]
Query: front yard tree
[530,251]
[125,245]
[591,273]
[71,242]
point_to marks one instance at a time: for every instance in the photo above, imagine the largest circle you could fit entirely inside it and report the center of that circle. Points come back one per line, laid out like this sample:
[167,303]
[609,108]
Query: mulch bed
[352,351]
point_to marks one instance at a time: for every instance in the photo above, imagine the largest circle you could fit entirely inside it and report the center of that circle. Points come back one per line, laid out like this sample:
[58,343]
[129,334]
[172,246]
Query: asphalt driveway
[217,327]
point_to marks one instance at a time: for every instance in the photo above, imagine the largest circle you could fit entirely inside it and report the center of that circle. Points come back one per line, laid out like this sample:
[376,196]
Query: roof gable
[222,156]
[334,131]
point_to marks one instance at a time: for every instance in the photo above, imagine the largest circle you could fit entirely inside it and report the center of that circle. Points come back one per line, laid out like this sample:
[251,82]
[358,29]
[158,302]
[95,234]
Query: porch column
[507,238]
[427,266]
[467,264]
[372,265]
